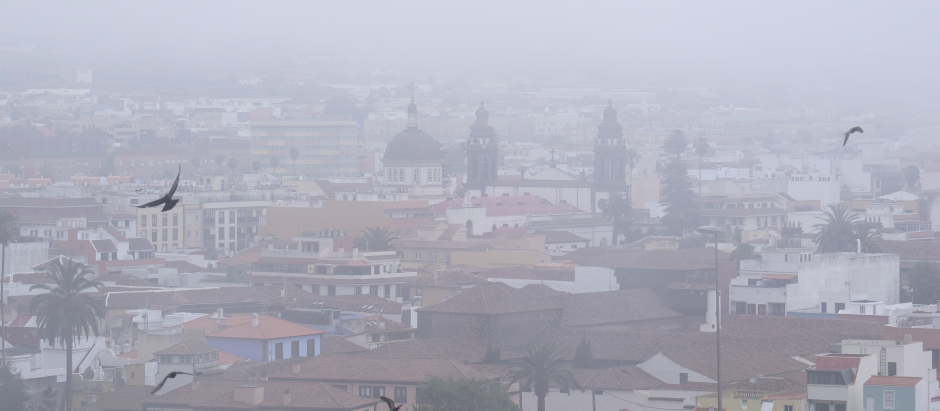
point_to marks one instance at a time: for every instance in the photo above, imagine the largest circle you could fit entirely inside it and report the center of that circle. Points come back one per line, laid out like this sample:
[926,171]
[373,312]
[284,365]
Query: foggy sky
[864,44]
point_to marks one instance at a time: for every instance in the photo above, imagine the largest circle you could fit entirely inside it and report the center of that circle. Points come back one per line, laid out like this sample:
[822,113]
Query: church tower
[610,152]
[482,151]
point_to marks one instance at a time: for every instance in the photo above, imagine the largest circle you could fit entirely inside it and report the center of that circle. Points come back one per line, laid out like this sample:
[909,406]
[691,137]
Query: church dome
[481,127]
[610,128]
[413,144]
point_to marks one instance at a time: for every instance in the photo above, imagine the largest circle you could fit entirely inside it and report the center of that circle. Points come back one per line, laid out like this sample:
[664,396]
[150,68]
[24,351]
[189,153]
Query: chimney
[287,396]
[250,394]
[355,252]
[254,320]
[218,317]
[296,369]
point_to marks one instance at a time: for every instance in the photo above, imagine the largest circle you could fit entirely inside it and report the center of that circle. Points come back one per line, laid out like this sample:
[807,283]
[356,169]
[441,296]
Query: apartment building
[326,148]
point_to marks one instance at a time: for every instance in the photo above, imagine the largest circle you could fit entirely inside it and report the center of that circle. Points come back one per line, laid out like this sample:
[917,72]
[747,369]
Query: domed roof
[610,127]
[481,127]
[413,144]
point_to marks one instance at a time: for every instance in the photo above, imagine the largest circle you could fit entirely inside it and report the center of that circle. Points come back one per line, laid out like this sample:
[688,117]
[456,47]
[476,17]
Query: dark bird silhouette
[391,404]
[168,201]
[851,130]
[172,374]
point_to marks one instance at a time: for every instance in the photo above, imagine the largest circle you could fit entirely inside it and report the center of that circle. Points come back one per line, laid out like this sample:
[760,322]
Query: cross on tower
[412,88]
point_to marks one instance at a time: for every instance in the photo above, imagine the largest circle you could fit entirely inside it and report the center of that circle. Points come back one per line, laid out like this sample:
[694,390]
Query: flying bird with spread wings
[391,404]
[851,130]
[167,201]
[172,374]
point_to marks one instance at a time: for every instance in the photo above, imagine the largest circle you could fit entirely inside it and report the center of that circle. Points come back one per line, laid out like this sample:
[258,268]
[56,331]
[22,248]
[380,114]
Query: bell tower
[610,153]
[482,151]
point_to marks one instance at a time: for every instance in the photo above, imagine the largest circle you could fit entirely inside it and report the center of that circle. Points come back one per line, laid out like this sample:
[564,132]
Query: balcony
[819,392]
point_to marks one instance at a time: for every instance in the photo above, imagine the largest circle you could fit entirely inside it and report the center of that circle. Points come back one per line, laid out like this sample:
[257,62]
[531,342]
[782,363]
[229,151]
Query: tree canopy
[924,283]
[841,230]
[744,251]
[13,396]
[374,238]
[464,394]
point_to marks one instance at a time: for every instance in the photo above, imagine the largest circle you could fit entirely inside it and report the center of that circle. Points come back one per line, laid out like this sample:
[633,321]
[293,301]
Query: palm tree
[275,161]
[256,166]
[232,164]
[374,238]
[219,160]
[837,231]
[701,147]
[196,162]
[632,158]
[618,209]
[460,192]
[541,367]
[293,156]
[911,176]
[7,232]
[65,312]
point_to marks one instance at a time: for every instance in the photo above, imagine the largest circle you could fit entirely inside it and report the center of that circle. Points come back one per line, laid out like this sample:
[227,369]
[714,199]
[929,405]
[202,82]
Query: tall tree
[374,238]
[196,162]
[681,211]
[701,147]
[676,144]
[7,232]
[618,209]
[232,164]
[294,153]
[539,369]
[492,356]
[65,312]
[275,161]
[632,158]
[583,357]
[744,251]
[911,176]
[841,230]
[924,283]
[256,166]
[48,399]
[219,161]
[463,394]
[13,396]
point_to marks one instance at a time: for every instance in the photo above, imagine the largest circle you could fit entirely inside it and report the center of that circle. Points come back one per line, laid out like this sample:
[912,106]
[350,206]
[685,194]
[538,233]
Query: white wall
[878,275]
[667,371]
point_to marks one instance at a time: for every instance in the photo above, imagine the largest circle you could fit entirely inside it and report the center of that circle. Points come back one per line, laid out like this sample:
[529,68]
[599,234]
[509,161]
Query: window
[175,234]
[365,391]
[840,407]
[822,308]
[315,289]
[787,408]
[417,176]
[165,217]
[312,349]
[861,309]
[153,235]
[143,233]
[294,349]
[378,392]
[417,256]
[164,234]
[189,234]
[447,257]
[409,232]
[197,218]
[175,219]
[143,221]
[743,404]
[358,290]
[222,234]
[401,395]
[331,290]
[388,291]
[374,290]
[683,377]
[892,369]
[197,234]
[740,308]
[278,351]
[231,233]
[432,256]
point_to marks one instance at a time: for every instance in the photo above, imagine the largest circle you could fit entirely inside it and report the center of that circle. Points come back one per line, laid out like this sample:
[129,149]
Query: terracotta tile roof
[130,354]
[459,348]
[219,394]
[893,381]
[139,244]
[330,345]
[123,398]
[525,273]
[492,298]
[172,298]
[188,347]
[442,277]
[541,290]
[182,266]
[557,236]
[624,378]
[31,278]
[451,230]
[379,323]
[836,363]
[240,326]
[227,359]
[681,259]
[613,307]
[912,250]
[253,371]
[363,303]
[376,369]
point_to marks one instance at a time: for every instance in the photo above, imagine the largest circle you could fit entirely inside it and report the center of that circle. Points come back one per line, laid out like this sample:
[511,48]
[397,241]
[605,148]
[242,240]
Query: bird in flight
[172,374]
[851,130]
[391,404]
[168,201]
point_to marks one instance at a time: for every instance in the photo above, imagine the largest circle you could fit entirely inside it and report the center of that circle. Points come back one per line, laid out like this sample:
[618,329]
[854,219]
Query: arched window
[417,176]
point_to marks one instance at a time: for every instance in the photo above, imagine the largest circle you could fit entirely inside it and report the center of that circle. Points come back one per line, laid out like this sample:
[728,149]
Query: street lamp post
[714,231]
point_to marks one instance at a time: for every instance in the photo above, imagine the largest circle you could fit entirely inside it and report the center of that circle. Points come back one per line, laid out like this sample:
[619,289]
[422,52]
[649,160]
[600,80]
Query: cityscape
[624,206]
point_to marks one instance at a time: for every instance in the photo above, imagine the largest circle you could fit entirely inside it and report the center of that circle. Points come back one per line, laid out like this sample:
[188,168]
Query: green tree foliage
[840,229]
[7,232]
[256,166]
[374,238]
[911,176]
[492,356]
[232,164]
[924,280]
[632,158]
[540,368]
[583,357]
[275,162]
[618,209]
[294,153]
[676,144]
[745,251]
[66,312]
[463,394]
[13,396]
[48,399]
[737,234]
